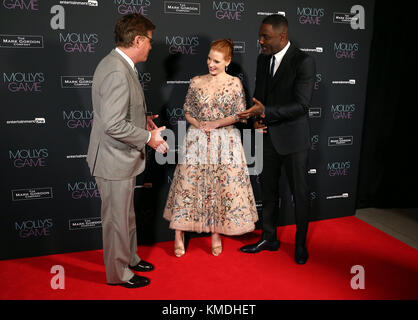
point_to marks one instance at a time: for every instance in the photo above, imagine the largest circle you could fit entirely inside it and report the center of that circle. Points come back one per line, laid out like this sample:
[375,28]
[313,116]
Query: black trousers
[296,168]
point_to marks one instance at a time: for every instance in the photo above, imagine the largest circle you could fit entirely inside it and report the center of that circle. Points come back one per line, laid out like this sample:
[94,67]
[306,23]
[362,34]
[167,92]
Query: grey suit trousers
[118,228]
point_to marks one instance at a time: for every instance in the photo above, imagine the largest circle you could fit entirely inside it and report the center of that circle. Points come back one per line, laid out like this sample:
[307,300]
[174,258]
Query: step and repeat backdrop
[49,51]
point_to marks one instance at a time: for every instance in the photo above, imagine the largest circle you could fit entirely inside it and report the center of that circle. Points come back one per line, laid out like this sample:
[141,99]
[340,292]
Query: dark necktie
[272,67]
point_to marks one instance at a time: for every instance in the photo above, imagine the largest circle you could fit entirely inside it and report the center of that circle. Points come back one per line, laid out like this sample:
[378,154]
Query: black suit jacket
[286,99]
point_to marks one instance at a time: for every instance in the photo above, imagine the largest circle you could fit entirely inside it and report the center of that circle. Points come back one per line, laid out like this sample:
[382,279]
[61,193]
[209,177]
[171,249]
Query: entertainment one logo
[226,10]
[24,81]
[344,50]
[339,168]
[132,6]
[182,44]
[308,15]
[24,158]
[34,228]
[79,42]
[75,119]
[83,190]
[343,111]
[21,4]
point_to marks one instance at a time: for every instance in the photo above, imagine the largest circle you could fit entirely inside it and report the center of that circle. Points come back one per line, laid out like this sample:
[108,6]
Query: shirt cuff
[149,136]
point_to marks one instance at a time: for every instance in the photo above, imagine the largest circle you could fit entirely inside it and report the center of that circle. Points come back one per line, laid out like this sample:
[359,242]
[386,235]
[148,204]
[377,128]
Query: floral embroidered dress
[211,189]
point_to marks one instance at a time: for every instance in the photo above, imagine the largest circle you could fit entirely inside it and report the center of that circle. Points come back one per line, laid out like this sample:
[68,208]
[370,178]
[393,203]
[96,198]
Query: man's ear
[137,40]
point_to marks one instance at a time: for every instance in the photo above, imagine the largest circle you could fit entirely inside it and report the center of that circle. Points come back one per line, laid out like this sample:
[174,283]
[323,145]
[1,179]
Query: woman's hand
[208,126]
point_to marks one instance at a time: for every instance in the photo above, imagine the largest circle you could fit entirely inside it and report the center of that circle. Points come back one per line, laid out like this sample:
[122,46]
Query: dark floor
[401,224]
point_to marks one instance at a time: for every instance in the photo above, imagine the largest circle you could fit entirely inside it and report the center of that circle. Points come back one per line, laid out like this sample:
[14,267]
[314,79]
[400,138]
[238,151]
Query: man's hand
[260,126]
[256,110]
[157,142]
[150,123]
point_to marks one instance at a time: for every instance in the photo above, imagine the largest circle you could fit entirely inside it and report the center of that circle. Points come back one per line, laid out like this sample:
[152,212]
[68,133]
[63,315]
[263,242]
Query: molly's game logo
[132,6]
[83,190]
[28,158]
[186,45]
[75,119]
[79,42]
[307,15]
[339,168]
[228,10]
[28,5]
[343,111]
[25,82]
[346,50]
[34,228]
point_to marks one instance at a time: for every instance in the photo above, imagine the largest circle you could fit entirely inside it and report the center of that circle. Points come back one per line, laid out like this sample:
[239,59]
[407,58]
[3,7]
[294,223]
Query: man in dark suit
[284,85]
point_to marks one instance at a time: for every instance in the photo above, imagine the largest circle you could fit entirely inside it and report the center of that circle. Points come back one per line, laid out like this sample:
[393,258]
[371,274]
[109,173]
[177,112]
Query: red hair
[225,46]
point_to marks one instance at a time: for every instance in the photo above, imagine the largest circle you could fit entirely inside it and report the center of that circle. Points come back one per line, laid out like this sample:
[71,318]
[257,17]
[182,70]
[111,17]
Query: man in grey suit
[116,153]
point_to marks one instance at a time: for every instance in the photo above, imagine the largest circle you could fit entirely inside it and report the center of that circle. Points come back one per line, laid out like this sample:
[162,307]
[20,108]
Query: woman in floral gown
[211,190]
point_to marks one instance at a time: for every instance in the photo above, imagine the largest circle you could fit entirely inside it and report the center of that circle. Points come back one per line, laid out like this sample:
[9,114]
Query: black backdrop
[48,53]
[388,176]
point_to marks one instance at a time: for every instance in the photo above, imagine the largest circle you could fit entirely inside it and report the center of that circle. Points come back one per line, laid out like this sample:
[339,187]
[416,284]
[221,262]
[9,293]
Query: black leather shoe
[261,245]
[142,266]
[135,282]
[301,254]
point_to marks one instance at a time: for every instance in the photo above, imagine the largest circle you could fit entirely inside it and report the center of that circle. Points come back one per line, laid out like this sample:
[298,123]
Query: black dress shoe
[261,245]
[301,254]
[135,282]
[142,266]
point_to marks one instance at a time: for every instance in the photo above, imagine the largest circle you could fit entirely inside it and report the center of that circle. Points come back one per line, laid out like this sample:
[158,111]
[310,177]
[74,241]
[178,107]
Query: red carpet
[335,245]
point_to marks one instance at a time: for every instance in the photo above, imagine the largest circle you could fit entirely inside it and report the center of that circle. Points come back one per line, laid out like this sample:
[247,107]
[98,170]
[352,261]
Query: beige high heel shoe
[180,251]
[217,250]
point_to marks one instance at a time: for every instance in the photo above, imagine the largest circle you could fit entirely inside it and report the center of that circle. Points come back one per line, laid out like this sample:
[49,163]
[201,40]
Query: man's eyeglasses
[150,39]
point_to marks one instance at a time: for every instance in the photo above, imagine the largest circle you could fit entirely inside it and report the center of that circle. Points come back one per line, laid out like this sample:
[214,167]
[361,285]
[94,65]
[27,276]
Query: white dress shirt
[279,57]
[131,63]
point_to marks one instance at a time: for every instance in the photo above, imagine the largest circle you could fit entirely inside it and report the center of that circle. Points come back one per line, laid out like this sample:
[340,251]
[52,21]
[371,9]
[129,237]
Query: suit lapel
[132,73]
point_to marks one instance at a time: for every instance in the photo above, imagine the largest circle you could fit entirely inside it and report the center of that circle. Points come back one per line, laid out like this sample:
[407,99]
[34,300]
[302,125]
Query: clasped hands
[156,142]
[207,126]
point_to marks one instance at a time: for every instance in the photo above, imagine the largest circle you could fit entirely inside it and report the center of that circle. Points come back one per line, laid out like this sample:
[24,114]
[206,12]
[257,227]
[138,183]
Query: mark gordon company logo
[177,7]
[86,223]
[21,41]
[76,82]
[340,141]
[32,194]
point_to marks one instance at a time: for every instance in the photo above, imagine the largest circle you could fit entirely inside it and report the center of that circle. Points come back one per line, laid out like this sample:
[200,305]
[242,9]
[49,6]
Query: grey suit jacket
[118,136]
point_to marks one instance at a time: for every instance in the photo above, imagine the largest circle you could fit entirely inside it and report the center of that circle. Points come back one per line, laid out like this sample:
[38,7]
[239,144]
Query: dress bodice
[209,100]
